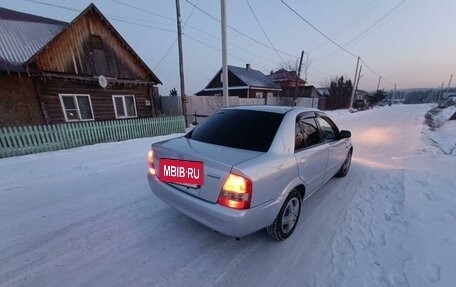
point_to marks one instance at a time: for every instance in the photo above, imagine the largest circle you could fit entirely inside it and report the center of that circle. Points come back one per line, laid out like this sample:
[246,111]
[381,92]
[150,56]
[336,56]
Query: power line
[141,25]
[264,32]
[191,27]
[143,10]
[166,54]
[341,47]
[109,16]
[316,29]
[122,19]
[374,73]
[174,42]
[358,17]
[53,5]
[366,30]
[238,31]
[204,32]
[219,49]
[233,45]
[188,26]
[127,20]
[376,22]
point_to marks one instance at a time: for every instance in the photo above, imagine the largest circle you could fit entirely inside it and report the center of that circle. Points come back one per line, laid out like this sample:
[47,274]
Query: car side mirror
[345,134]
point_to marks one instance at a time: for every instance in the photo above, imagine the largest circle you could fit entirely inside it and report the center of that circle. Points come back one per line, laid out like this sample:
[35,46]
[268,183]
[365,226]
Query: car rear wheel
[287,219]
[345,166]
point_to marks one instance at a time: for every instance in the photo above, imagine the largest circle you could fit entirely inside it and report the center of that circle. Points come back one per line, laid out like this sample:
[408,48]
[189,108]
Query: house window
[270,95]
[258,95]
[76,107]
[124,106]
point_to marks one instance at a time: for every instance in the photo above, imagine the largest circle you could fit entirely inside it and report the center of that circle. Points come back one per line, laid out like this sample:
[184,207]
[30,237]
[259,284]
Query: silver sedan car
[250,167]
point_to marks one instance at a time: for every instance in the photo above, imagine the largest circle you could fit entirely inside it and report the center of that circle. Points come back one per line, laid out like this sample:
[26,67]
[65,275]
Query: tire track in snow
[367,249]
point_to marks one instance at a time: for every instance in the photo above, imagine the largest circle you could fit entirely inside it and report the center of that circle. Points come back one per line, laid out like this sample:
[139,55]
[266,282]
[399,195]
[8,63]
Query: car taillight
[236,192]
[150,161]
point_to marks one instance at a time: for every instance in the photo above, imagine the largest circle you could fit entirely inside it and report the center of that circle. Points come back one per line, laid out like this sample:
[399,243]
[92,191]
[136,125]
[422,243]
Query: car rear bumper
[222,219]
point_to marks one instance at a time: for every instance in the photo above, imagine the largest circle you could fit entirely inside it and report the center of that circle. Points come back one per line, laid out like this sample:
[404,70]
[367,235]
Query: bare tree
[291,65]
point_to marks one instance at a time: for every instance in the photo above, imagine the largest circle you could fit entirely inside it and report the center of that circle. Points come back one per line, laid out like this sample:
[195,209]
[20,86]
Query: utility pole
[226,101]
[354,82]
[307,67]
[449,83]
[394,94]
[378,85]
[440,92]
[299,75]
[181,63]
[359,76]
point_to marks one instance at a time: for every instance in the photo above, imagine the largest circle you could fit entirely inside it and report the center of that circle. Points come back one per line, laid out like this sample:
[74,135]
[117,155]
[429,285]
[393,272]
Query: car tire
[345,166]
[287,219]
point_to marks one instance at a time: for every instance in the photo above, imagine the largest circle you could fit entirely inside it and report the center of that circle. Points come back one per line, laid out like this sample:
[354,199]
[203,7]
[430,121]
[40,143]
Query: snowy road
[86,217]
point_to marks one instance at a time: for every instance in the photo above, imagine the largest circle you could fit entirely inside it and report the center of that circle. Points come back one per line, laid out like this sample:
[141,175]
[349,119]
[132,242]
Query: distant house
[242,82]
[55,72]
[288,80]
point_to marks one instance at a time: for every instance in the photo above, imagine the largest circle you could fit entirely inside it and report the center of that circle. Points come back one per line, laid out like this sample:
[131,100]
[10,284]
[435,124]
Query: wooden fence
[32,139]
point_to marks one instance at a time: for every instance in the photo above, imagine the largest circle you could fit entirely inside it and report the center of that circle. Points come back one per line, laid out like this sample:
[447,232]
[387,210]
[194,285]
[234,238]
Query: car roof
[272,109]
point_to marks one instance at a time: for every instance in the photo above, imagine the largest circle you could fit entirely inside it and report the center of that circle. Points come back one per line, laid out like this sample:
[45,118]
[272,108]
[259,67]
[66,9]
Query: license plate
[181,171]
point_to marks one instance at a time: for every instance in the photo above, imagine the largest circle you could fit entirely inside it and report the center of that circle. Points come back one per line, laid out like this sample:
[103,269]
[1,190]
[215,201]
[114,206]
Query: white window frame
[124,106]
[270,94]
[74,96]
[258,95]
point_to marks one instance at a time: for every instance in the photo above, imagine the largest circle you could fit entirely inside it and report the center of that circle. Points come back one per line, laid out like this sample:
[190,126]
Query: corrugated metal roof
[253,78]
[22,35]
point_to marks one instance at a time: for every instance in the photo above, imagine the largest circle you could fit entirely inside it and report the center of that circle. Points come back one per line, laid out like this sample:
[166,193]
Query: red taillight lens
[150,161]
[236,192]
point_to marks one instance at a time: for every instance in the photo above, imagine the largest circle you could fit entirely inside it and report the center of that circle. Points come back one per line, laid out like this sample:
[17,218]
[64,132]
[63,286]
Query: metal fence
[16,141]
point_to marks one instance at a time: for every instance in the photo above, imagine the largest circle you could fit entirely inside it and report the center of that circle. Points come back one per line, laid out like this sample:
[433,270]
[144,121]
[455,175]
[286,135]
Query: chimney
[247,66]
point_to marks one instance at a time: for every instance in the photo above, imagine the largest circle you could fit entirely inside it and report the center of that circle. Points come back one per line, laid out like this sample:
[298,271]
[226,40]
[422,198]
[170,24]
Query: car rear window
[243,129]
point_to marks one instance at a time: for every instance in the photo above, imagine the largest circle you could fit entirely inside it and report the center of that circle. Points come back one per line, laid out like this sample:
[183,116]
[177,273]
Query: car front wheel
[287,219]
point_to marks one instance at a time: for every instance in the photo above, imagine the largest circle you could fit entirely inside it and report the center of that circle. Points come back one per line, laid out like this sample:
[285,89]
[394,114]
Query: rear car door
[336,147]
[310,152]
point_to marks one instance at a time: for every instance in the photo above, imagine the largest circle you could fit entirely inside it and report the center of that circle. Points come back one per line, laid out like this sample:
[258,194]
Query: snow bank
[443,136]
[444,115]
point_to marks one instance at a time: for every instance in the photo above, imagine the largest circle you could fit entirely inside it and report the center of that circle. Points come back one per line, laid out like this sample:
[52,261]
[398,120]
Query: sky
[407,42]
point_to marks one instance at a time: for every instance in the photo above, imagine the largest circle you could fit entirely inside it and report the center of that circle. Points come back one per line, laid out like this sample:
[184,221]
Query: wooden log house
[55,72]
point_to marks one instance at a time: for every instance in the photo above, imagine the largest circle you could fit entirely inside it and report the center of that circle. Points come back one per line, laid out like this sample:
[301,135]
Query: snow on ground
[398,229]
[86,216]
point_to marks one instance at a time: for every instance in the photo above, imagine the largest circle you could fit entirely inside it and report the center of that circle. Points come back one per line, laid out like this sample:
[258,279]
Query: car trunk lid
[217,160]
